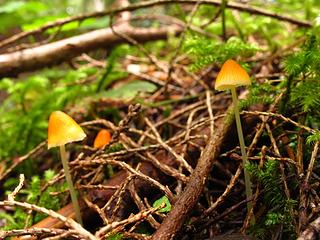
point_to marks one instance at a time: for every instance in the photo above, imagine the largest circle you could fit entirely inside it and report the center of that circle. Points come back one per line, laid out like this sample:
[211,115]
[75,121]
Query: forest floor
[173,165]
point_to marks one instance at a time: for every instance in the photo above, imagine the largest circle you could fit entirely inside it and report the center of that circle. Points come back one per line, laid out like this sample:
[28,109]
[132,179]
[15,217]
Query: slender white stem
[73,194]
[242,147]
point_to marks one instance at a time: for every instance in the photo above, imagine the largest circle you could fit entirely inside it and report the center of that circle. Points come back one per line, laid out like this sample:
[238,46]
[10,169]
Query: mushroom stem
[73,194]
[242,147]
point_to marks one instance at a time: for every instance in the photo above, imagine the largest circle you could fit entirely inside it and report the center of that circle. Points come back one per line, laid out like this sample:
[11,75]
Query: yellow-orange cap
[231,75]
[103,138]
[63,129]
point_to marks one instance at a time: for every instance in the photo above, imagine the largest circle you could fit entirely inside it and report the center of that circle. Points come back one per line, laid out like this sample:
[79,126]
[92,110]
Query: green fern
[259,93]
[313,138]
[24,114]
[34,195]
[303,84]
[205,51]
[114,236]
[270,179]
[305,61]
[275,201]
[306,95]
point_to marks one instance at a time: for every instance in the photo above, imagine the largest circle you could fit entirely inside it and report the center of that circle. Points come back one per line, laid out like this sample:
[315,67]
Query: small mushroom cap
[231,75]
[63,129]
[103,138]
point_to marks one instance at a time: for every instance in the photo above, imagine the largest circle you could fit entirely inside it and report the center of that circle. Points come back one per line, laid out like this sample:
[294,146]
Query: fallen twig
[67,221]
[60,51]
[21,159]
[186,201]
[311,231]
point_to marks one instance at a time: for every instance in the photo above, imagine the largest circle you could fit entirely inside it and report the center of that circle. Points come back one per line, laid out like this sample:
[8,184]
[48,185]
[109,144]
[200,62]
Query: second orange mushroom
[103,138]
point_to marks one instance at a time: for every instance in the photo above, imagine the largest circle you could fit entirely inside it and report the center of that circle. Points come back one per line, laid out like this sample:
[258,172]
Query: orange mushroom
[103,138]
[62,129]
[231,76]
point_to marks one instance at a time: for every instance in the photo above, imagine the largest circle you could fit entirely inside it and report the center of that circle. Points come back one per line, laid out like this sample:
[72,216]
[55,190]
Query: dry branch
[146,4]
[21,159]
[63,50]
[187,200]
[68,222]
[312,231]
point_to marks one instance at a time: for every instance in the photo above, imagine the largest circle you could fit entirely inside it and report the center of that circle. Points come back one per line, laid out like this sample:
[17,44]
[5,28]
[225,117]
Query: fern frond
[306,95]
[313,138]
[205,51]
[270,178]
[294,64]
[305,61]
[259,93]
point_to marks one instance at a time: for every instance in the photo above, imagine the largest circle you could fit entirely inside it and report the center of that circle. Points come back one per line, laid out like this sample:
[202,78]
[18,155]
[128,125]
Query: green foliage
[115,236]
[303,84]
[115,148]
[305,62]
[277,205]
[33,194]
[129,90]
[205,51]
[263,93]
[111,72]
[160,201]
[306,95]
[313,138]
[15,13]
[273,218]
[24,114]
[30,15]
[270,178]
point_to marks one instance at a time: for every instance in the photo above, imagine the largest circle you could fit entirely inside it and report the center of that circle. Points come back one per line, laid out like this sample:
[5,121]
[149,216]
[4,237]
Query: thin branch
[282,118]
[312,160]
[12,195]
[209,106]
[311,232]
[68,222]
[141,215]
[63,50]
[34,231]
[21,159]
[146,4]
[231,184]
[126,166]
[182,38]
[189,197]
[179,158]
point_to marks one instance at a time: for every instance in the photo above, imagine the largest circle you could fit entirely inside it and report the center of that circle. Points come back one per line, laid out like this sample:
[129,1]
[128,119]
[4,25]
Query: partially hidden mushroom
[231,76]
[103,138]
[63,129]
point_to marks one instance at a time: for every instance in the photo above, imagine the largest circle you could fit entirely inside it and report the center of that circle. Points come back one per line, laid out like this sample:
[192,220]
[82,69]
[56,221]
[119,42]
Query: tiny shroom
[62,129]
[103,138]
[231,76]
